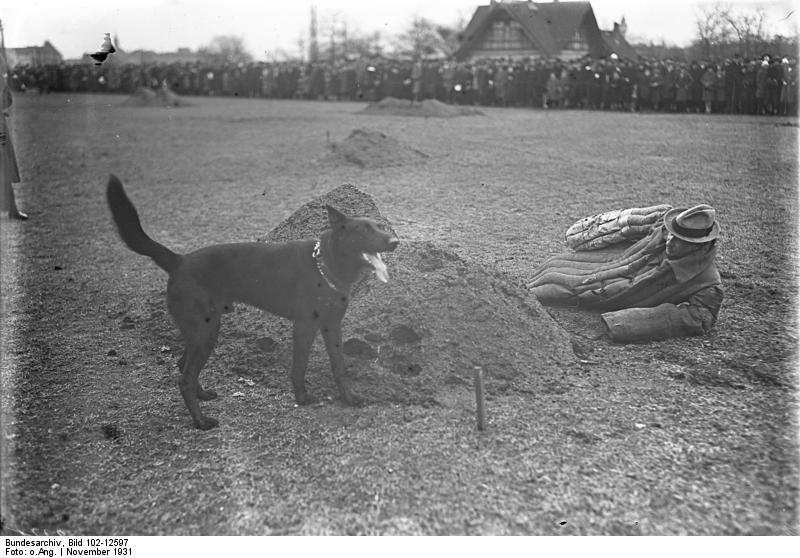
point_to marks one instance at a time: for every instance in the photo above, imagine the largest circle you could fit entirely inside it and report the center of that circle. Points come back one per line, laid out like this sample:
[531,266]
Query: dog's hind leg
[202,394]
[200,342]
[303,334]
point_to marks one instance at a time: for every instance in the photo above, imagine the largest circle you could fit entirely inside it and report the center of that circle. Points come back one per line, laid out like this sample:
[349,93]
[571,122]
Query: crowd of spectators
[764,85]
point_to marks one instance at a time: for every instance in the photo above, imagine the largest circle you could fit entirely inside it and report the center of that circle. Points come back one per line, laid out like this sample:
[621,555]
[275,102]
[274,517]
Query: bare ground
[691,436]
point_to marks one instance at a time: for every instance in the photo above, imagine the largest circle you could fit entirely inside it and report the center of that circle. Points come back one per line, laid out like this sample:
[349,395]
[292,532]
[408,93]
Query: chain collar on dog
[317,255]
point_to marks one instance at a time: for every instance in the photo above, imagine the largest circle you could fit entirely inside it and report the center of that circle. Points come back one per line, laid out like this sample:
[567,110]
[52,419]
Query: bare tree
[226,49]
[722,31]
[749,29]
[713,29]
[332,32]
[360,44]
[340,39]
[344,41]
[425,38]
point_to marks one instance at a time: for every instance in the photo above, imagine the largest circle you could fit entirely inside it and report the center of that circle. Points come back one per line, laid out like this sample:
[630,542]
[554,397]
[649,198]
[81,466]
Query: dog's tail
[130,228]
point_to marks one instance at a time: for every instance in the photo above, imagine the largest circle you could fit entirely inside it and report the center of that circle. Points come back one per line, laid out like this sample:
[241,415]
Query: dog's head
[364,237]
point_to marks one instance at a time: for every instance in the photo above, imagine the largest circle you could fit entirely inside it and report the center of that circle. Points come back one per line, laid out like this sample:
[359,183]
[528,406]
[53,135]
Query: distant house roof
[615,43]
[562,19]
[34,55]
[550,28]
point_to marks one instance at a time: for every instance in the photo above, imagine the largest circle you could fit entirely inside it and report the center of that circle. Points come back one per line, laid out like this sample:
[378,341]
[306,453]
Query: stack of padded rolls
[613,227]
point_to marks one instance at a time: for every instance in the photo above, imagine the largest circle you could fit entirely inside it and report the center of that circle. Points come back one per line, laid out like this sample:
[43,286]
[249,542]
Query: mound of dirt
[429,108]
[414,338]
[311,220]
[169,98]
[143,96]
[372,149]
[146,97]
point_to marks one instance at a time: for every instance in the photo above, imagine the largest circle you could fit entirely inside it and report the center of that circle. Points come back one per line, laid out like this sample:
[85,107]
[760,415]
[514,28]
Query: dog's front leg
[303,334]
[332,334]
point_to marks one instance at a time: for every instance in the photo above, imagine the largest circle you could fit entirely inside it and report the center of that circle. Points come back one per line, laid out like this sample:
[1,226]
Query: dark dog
[305,281]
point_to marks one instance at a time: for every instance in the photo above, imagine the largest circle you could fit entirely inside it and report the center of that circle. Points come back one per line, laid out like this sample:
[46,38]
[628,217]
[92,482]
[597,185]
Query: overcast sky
[77,26]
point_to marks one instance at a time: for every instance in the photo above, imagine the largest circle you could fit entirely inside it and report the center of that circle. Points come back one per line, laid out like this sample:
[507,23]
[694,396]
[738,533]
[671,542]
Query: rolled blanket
[578,264]
[563,281]
[612,227]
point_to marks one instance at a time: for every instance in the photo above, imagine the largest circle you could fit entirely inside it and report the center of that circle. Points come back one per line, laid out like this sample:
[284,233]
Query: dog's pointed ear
[335,217]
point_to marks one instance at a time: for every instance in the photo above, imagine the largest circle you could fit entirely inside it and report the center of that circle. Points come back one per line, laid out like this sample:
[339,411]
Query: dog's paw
[206,423]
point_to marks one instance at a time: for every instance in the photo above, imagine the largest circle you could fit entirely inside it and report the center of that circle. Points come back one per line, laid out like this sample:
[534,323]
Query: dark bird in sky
[105,49]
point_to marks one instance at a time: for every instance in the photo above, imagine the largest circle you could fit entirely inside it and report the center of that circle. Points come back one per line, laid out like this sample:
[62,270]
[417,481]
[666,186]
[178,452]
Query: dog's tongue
[377,264]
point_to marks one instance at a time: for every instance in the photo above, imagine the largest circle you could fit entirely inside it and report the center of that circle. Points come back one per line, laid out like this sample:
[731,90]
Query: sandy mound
[429,108]
[146,97]
[372,149]
[311,219]
[414,338]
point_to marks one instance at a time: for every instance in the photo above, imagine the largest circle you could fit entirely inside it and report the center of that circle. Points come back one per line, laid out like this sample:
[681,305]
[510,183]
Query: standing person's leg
[9,173]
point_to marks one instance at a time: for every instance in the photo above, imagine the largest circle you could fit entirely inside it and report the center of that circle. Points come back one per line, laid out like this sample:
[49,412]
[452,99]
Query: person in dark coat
[709,83]
[656,86]
[719,103]
[482,78]
[749,87]
[9,172]
[789,89]
[643,78]
[733,73]
[501,85]
[664,285]
[683,84]
[416,80]
[552,96]
[696,89]
[668,87]
[585,78]
[761,87]
[774,85]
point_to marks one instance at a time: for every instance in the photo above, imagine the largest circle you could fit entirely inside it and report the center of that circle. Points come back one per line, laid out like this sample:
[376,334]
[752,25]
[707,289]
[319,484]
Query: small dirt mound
[429,108]
[163,97]
[418,337]
[311,220]
[169,98]
[143,96]
[372,149]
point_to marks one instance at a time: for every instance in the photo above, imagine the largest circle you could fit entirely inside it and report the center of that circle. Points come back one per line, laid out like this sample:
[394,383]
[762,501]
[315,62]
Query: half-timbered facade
[563,30]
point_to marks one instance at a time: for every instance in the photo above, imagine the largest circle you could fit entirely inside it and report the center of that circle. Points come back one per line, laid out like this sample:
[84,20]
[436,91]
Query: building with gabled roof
[564,30]
[44,55]
[615,41]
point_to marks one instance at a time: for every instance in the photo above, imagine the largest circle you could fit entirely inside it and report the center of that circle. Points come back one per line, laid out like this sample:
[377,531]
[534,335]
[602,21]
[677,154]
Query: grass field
[689,436]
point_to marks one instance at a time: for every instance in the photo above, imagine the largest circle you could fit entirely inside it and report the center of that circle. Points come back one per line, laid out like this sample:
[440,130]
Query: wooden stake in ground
[480,398]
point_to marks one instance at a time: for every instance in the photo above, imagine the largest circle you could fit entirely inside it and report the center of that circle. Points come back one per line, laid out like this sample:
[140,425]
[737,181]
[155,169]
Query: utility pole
[313,46]
[333,42]
[345,46]
[3,43]
[6,63]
